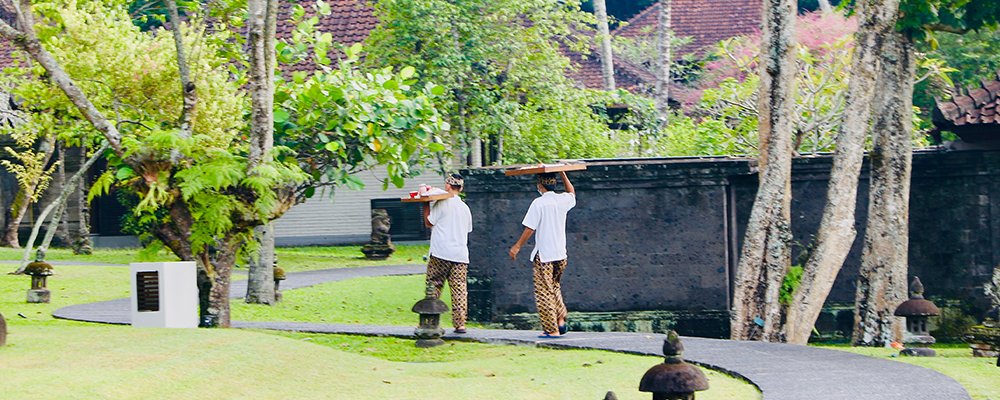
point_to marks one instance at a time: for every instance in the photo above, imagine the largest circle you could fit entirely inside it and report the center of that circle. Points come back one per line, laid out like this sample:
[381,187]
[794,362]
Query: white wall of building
[343,216]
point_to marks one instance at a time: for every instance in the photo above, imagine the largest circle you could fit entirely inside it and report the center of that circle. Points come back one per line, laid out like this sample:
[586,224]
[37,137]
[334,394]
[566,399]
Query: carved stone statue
[381,246]
[380,226]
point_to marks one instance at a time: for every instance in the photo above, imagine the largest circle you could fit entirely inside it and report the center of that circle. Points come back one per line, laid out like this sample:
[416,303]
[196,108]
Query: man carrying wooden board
[546,218]
[450,222]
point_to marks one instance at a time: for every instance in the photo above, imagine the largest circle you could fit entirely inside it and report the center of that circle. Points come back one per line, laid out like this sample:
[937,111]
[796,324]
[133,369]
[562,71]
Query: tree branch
[60,204]
[187,87]
[28,42]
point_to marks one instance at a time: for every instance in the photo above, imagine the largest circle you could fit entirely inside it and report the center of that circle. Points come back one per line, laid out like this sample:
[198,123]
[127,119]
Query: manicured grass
[980,376]
[291,259]
[374,301]
[73,362]
[70,285]
[70,360]
[312,258]
[105,256]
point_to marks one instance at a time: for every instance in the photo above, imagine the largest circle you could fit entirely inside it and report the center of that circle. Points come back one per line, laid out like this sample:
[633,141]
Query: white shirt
[547,217]
[450,234]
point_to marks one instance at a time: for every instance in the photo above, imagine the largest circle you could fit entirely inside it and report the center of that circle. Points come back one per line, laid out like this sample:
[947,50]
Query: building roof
[973,114]
[706,22]
[349,22]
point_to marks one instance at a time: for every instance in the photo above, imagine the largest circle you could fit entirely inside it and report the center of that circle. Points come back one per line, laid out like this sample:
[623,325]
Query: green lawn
[312,258]
[65,359]
[291,259]
[980,376]
[383,300]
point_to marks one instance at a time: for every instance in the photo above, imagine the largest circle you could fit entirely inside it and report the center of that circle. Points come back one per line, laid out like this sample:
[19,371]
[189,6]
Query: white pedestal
[164,295]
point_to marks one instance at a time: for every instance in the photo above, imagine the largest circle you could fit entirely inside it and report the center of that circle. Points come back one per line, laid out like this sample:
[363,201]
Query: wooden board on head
[545,168]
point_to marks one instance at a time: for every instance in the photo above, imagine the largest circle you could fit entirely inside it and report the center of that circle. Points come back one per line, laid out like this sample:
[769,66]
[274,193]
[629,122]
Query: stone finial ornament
[674,379]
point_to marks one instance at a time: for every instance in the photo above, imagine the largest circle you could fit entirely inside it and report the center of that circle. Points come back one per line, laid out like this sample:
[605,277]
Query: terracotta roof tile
[349,22]
[706,22]
[973,114]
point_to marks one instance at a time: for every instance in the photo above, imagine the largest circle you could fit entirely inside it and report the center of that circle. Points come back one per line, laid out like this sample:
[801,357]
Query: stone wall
[653,243]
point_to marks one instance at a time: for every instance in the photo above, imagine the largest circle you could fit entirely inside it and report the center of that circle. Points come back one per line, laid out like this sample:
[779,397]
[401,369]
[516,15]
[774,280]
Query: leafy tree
[343,119]
[882,280]
[31,165]
[502,66]
[182,149]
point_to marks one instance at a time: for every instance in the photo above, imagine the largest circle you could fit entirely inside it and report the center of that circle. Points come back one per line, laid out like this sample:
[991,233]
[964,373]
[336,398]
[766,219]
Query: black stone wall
[660,237]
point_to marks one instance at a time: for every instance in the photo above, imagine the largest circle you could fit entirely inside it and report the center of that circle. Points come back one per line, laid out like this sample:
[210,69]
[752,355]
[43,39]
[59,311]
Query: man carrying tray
[450,222]
[546,217]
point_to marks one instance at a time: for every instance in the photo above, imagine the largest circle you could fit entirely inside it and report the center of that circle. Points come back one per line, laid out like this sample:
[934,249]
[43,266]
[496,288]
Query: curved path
[781,371]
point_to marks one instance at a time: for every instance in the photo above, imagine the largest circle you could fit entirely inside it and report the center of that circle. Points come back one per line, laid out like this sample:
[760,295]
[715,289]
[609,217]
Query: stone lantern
[916,310]
[430,309]
[674,379]
[39,271]
[279,275]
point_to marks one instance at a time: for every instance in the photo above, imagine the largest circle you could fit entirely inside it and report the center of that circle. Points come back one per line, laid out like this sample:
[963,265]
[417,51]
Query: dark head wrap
[455,180]
[547,180]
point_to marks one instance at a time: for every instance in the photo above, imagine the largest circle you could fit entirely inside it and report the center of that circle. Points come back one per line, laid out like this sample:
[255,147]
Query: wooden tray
[426,199]
[544,168]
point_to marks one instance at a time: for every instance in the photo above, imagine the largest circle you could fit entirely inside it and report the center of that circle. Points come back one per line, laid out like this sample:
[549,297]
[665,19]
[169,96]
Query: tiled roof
[706,22]
[973,114]
[588,73]
[349,22]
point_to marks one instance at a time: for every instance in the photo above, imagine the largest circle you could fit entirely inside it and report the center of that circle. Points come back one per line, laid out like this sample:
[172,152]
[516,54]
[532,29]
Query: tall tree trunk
[261,85]
[262,25]
[63,232]
[663,63]
[836,234]
[260,285]
[604,43]
[881,285]
[222,261]
[766,254]
[81,240]
[23,199]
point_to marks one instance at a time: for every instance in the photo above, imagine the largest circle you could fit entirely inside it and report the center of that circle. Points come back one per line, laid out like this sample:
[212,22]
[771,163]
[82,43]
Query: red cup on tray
[413,194]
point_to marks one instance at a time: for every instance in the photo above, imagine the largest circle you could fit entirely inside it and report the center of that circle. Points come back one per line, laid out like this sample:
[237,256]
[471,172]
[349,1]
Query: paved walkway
[781,371]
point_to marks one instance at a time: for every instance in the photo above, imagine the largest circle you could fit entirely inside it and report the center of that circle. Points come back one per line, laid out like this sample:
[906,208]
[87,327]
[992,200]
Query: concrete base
[39,296]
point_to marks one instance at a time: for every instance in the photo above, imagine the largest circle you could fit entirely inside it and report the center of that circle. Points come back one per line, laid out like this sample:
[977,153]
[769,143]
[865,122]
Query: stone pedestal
[39,295]
[374,251]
